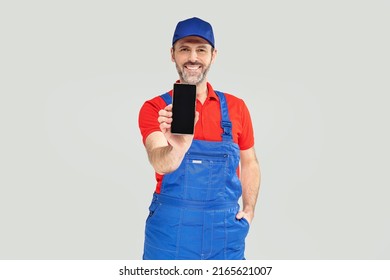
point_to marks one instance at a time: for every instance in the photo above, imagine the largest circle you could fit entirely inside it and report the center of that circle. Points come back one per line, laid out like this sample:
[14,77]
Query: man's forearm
[250,180]
[165,159]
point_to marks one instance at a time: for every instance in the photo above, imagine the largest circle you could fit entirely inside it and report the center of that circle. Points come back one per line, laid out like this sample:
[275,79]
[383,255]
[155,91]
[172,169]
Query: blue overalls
[194,216]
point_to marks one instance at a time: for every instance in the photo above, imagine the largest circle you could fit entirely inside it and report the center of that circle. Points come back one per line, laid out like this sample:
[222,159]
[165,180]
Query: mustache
[192,64]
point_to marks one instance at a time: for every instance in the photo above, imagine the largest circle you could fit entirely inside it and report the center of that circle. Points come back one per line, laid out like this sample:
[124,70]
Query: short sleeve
[245,135]
[148,114]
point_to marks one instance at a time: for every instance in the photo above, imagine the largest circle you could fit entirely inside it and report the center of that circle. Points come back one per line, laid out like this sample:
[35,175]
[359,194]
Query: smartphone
[183,109]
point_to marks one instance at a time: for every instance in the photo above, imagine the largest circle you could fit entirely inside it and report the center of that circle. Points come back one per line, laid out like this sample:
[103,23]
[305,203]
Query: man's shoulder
[157,100]
[232,98]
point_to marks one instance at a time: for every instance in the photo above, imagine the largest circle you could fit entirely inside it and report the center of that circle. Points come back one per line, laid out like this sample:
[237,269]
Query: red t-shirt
[208,126]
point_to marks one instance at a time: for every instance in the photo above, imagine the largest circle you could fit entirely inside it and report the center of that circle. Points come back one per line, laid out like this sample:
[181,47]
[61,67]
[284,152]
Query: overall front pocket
[205,176]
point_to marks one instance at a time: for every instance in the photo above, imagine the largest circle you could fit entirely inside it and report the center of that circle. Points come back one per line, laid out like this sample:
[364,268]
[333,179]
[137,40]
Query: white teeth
[194,67]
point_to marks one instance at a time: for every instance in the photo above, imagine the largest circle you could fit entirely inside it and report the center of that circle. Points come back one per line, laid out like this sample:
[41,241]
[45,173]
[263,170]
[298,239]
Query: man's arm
[250,181]
[166,150]
[163,157]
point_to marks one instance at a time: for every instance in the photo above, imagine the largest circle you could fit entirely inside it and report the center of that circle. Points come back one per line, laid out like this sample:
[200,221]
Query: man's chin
[193,81]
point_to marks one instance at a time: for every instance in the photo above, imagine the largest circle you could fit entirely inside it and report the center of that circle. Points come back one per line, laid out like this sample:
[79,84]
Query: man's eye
[184,50]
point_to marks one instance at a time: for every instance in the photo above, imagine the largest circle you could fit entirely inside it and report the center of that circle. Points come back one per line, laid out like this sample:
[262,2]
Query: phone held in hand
[183,109]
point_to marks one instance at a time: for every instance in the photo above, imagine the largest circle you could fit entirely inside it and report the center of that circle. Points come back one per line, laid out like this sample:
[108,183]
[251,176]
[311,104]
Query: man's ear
[172,55]
[214,55]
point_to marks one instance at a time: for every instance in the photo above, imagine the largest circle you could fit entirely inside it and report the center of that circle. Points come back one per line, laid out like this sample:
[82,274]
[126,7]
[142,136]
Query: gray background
[75,182]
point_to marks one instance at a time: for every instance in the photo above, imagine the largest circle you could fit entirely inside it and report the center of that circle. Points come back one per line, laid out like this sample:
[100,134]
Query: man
[194,213]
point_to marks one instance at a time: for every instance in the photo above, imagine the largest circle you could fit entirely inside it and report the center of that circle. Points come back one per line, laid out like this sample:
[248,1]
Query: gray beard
[192,80]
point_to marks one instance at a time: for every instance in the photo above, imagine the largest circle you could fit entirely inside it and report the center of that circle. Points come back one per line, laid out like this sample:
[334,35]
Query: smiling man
[194,212]
[192,66]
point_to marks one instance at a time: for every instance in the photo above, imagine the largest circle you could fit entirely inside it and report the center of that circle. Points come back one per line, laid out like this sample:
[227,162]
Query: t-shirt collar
[211,93]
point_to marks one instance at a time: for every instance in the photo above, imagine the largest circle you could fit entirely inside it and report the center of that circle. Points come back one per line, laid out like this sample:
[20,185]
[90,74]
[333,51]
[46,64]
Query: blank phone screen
[183,109]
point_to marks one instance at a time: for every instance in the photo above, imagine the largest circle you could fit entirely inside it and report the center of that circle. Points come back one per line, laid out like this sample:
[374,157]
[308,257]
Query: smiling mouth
[192,67]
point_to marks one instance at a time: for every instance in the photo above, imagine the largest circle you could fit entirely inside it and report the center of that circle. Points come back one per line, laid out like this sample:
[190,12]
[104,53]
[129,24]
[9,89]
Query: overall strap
[226,124]
[167,98]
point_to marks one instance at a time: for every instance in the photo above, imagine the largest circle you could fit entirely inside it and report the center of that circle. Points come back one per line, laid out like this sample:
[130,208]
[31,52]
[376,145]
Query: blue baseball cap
[194,27]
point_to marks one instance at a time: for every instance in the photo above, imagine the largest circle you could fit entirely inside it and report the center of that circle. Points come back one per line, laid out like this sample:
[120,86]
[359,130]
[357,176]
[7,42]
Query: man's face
[193,57]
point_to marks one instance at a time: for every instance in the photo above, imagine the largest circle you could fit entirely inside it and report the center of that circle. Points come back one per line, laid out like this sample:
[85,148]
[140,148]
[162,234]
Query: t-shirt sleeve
[246,135]
[148,114]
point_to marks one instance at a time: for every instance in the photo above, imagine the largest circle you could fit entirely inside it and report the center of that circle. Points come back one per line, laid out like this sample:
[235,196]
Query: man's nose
[193,56]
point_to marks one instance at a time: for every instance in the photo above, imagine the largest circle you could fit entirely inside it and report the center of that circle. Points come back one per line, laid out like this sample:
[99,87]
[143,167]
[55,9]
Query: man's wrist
[249,212]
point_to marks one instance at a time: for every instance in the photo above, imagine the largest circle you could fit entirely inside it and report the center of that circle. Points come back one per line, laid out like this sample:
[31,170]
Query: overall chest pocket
[205,176]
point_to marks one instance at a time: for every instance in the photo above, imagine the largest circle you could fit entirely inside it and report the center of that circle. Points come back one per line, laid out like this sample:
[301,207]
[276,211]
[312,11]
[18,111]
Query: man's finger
[165,113]
[240,215]
[162,119]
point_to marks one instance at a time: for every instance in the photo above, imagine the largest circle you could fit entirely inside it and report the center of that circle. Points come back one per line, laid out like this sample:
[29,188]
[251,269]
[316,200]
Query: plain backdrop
[75,182]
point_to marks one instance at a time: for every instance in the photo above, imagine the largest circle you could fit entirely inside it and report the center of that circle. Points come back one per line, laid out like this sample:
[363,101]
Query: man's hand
[247,215]
[167,150]
[180,143]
